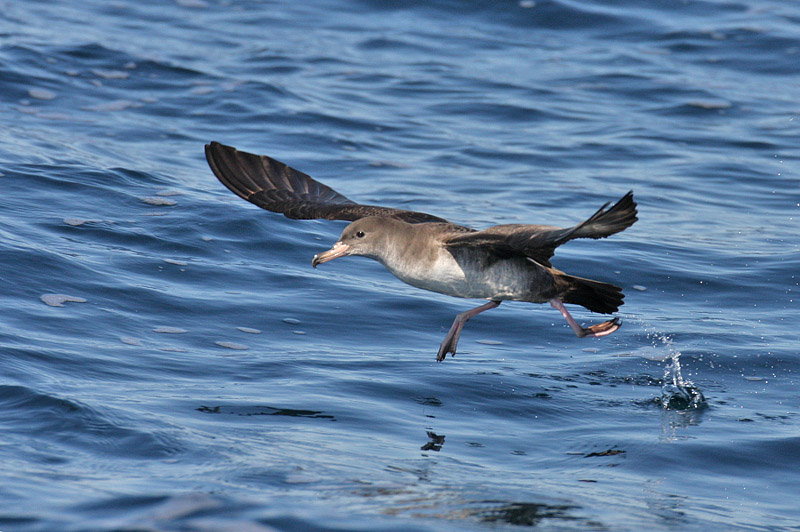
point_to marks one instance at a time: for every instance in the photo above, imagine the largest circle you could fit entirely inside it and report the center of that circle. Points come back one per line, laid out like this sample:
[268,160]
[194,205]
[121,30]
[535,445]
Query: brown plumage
[503,262]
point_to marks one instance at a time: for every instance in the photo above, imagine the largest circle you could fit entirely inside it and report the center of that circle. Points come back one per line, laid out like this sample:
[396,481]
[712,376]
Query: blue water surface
[171,361]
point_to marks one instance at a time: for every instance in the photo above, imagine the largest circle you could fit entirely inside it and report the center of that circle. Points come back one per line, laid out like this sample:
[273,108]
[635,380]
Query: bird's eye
[360,234]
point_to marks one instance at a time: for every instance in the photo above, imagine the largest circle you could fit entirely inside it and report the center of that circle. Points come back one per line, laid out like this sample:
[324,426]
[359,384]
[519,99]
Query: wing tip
[214,149]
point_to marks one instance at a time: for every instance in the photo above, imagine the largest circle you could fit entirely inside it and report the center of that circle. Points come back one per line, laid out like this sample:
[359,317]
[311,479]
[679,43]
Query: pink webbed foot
[595,331]
[450,343]
[451,340]
[601,329]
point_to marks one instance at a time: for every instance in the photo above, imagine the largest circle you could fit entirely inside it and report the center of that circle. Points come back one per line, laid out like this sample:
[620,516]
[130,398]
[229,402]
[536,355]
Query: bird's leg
[601,329]
[451,340]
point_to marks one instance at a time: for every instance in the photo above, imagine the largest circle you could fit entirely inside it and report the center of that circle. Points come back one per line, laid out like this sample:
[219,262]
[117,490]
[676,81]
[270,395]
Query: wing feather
[276,187]
[539,242]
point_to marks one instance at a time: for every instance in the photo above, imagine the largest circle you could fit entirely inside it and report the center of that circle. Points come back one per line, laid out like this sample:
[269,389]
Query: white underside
[499,280]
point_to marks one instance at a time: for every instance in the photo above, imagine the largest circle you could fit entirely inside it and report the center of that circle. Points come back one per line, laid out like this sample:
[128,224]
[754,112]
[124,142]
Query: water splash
[678,393]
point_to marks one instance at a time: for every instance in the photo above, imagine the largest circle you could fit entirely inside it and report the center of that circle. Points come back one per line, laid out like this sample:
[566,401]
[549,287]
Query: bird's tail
[599,297]
[604,222]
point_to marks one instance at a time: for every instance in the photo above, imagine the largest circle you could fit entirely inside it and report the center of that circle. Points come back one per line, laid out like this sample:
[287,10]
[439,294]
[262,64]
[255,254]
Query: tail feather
[596,296]
[605,223]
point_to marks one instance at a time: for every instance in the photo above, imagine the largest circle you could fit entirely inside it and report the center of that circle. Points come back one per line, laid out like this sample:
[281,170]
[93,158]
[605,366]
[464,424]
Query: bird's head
[367,237]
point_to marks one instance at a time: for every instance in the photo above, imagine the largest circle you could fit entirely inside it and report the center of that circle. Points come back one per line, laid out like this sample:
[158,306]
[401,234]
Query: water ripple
[136,404]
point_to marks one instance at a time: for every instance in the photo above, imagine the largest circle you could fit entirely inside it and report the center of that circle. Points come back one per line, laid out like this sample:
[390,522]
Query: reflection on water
[529,514]
[435,443]
[525,514]
[262,411]
[673,421]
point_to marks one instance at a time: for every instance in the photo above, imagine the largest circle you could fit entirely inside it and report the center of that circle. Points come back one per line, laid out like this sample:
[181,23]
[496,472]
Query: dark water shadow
[435,443]
[529,514]
[263,411]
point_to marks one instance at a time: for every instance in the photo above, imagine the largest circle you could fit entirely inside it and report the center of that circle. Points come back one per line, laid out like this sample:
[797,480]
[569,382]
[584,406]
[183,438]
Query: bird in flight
[500,263]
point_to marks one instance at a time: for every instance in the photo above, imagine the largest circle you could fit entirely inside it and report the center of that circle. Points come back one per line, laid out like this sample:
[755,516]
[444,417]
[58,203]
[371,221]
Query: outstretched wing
[273,186]
[539,242]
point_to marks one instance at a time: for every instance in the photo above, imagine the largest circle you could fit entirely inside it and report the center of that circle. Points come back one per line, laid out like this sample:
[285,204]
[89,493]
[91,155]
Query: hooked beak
[339,249]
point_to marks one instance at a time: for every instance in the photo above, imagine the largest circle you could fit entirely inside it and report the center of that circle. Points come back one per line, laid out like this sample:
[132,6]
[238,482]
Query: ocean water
[169,360]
